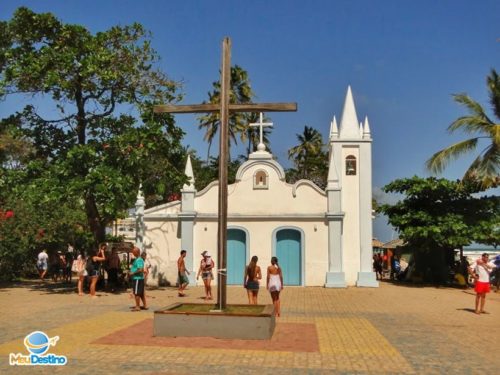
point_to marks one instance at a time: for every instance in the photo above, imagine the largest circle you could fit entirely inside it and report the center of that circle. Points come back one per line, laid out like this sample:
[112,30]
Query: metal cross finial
[261,124]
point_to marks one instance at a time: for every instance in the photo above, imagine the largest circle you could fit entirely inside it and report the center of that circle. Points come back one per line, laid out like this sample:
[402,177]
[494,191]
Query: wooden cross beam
[224,108]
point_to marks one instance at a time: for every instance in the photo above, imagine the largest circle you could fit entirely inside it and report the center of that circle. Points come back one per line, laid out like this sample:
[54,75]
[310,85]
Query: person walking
[182,272]
[377,266]
[80,272]
[251,280]
[206,267]
[480,271]
[42,264]
[137,276]
[93,267]
[275,284]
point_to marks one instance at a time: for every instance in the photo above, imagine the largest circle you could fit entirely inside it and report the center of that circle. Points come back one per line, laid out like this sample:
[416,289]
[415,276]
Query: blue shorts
[94,273]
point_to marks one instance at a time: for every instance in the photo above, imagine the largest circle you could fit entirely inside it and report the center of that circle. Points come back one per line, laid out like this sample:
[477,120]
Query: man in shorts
[42,263]
[480,271]
[137,277]
[182,280]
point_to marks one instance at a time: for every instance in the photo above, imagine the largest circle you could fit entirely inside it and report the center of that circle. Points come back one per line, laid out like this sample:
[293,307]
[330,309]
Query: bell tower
[349,191]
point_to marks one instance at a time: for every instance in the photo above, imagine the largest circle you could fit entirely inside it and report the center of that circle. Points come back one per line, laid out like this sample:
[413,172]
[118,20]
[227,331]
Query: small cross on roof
[261,124]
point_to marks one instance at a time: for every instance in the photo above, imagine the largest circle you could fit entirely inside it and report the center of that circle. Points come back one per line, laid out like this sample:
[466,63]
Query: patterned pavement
[389,330]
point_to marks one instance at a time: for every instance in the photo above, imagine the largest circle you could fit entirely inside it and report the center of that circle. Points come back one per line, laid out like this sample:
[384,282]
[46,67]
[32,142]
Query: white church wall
[206,200]
[279,197]
[164,209]
[260,242]
[163,251]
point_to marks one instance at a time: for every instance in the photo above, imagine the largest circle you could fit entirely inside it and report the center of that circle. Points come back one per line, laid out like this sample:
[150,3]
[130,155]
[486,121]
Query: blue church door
[236,256]
[289,255]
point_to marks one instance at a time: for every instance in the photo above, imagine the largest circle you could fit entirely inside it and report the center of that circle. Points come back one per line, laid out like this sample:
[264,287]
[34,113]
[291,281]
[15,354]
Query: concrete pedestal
[171,323]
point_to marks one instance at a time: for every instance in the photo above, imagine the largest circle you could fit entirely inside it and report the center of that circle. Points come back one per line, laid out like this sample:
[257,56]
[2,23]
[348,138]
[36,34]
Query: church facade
[320,237]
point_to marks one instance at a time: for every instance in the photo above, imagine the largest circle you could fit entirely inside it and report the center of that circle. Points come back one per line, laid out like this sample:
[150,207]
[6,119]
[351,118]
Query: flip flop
[135,309]
[144,308]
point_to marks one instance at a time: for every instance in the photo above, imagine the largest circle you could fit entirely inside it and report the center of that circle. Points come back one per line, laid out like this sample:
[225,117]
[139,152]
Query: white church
[320,237]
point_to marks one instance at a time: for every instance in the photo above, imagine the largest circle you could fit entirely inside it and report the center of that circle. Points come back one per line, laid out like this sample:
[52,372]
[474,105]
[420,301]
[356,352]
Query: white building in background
[321,237]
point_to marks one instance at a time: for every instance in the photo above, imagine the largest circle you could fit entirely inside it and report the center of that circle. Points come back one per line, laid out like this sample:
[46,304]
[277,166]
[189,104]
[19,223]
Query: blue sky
[403,60]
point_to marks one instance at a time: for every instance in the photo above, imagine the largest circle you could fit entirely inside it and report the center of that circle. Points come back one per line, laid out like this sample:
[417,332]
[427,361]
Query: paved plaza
[392,329]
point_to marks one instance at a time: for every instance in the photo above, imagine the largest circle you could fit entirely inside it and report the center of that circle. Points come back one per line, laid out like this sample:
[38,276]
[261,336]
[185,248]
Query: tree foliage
[437,215]
[309,157]
[485,168]
[205,173]
[85,151]
[240,92]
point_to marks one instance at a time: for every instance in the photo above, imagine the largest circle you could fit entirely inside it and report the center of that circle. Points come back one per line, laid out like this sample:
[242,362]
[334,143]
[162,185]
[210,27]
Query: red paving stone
[287,337]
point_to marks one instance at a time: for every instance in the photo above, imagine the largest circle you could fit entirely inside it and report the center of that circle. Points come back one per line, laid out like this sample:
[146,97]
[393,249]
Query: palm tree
[309,156]
[240,92]
[484,170]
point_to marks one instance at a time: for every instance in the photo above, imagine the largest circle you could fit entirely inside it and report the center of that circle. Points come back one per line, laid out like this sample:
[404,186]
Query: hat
[205,254]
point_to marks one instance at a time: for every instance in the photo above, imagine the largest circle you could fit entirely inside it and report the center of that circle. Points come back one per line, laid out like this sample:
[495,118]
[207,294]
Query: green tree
[436,216]
[205,173]
[37,222]
[309,157]
[15,149]
[96,154]
[484,170]
[240,92]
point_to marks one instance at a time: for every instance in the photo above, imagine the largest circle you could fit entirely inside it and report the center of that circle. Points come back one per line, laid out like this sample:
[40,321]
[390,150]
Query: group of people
[138,272]
[274,282]
[58,265]
[480,270]
[397,270]
[91,268]
[251,282]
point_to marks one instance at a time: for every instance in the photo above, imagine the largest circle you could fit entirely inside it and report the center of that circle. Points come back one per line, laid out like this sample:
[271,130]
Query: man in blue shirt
[137,276]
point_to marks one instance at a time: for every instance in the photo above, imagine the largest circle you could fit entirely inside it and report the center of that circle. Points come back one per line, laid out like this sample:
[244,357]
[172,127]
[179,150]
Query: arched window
[350,165]
[260,180]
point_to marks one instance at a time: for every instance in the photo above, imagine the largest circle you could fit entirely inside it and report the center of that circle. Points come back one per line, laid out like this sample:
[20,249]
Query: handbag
[74,266]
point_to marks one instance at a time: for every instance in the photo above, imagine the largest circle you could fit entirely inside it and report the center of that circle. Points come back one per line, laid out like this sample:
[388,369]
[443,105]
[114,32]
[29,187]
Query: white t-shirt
[42,257]
[483,270]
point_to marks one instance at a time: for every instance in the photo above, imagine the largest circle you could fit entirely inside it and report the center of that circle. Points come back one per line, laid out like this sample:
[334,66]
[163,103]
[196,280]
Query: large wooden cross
[224,108]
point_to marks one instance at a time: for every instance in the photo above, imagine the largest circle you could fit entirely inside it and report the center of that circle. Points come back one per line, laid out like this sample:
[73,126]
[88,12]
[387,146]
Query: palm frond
[470,125]
[440,159]
[493,82]
[495,134]
[474,108]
